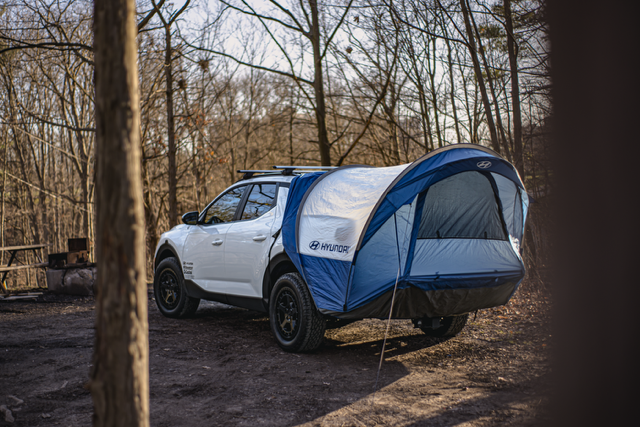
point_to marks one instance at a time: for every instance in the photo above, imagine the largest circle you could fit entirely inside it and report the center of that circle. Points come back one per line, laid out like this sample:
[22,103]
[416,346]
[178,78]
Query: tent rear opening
[462,258]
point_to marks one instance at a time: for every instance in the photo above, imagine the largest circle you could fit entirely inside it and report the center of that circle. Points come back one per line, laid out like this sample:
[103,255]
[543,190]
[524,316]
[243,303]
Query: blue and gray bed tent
[446,228]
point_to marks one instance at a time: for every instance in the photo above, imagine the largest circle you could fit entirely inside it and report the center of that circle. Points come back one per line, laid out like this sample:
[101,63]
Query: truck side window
[225,207]
[260,201]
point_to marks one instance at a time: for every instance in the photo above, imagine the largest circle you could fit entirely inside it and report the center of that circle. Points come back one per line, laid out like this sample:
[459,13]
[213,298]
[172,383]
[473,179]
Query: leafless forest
[239,84]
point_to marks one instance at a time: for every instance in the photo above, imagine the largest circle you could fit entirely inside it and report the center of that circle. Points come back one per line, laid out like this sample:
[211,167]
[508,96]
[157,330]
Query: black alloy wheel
[169,291]
[295,322]
[287,314]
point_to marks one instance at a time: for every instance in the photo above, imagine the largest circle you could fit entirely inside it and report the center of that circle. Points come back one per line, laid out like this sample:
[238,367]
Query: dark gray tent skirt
[414,303]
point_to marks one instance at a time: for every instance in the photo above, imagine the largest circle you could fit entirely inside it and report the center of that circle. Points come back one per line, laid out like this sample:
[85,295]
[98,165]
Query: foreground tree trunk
[595,104]
[119,377]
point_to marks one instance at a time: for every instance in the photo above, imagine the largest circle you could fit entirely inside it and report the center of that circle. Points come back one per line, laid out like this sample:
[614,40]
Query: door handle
[217,242]
[259,238]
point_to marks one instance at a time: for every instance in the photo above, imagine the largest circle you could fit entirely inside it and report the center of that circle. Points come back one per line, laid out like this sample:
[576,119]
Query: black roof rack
[250,173]
[288,170]
[282,170]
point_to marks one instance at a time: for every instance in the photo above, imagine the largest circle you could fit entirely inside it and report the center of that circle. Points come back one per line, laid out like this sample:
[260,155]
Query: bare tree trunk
[515,91]
[495,144]
[291,116]
[2,194]
[431,72]
[452,91]
[150,212]
[418,81]
[171,133]
[488,71]
[318,87]
[424,118]
[120,373]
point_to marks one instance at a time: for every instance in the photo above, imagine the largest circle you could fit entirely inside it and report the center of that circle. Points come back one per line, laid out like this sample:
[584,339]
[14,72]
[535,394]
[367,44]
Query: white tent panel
[336,211]
[463,256]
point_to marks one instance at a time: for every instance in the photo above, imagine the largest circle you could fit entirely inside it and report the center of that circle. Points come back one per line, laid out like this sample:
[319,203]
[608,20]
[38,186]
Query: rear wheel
[295,322]
[449,326]
[170,293]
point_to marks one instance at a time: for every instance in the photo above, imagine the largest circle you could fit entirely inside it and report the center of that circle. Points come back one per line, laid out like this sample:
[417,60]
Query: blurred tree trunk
[119,377]
[595,102]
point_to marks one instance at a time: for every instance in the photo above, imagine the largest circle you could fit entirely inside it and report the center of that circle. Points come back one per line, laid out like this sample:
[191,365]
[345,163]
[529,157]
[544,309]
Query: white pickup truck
[232,252]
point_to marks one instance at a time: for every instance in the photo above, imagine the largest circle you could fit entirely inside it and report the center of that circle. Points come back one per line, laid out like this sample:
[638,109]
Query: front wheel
[170,293]
[295,322]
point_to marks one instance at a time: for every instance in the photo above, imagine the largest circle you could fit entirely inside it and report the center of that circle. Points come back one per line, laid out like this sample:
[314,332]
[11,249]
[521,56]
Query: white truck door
[248,242]
[203,254]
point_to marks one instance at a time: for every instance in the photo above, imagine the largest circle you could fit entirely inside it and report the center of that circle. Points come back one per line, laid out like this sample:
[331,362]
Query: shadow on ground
[223,367]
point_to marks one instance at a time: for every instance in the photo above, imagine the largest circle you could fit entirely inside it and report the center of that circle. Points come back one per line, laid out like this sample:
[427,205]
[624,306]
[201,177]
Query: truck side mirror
[190,218]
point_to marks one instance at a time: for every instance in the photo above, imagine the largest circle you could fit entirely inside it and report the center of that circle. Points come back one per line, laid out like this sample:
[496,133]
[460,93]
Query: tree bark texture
[318,87]
[119,377]
[495,144]
[171,133]
[518,159]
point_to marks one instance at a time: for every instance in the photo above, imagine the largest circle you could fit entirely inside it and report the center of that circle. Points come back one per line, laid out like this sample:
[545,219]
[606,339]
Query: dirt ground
[223,367]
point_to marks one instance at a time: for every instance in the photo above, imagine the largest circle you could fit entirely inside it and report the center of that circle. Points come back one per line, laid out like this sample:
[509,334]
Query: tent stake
[384,341]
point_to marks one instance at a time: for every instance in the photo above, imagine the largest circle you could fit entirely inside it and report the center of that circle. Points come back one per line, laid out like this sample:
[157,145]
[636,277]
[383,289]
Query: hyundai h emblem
[484,164]
[314,245]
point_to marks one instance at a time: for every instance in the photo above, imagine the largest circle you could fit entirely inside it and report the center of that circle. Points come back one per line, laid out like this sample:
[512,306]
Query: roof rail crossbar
[288,170]
[250,173]
[281,170]
[304,167]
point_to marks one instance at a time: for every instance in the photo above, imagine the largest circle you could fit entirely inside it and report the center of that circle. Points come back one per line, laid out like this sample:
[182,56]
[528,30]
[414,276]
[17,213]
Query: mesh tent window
[462,206]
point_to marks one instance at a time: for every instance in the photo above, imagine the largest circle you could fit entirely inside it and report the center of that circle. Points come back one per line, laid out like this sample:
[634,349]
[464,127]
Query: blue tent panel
[297,190]
[378,266]
[326,279]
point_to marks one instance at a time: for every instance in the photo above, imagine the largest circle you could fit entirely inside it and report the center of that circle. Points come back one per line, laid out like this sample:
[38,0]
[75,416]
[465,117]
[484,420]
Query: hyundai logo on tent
[444,232]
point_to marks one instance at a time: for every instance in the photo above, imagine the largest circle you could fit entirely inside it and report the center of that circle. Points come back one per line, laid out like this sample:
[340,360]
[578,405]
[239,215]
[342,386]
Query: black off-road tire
[170,292]
[296,323]
[449,327]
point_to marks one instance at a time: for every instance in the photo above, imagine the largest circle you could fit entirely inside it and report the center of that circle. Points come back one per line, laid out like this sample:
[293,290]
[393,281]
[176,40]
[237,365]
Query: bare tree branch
[143,23]
[248,64]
